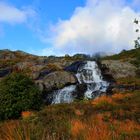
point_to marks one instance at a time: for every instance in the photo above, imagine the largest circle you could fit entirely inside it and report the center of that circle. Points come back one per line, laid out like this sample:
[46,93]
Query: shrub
[18,93]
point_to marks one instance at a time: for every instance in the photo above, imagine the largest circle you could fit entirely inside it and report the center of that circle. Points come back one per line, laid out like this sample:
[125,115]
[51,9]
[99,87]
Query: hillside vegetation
[115,116]
[106,118]
[134,53]
[131,55]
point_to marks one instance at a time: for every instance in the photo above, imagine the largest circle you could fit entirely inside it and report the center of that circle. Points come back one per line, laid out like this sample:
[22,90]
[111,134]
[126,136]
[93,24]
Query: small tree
[18,93]
[137,41]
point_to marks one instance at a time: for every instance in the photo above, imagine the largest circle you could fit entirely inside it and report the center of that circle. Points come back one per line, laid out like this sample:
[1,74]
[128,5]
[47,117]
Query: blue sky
[20,36]
[57,27]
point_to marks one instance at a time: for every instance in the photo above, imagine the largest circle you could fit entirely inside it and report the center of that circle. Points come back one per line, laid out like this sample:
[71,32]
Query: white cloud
[100,26]
[12,15]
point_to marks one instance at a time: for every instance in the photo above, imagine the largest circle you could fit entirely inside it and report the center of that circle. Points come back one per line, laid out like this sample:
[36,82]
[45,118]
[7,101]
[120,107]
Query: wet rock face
[58,79]
[74,66]
[119,69]
[43,73]
[5,71]
[80,90]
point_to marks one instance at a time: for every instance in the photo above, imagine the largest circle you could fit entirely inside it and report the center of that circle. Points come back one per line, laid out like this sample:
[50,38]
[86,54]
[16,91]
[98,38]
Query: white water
[64,95]
[89,74]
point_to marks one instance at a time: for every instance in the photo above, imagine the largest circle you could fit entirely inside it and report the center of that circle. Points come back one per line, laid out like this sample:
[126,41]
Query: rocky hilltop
[59,71]
[47,72]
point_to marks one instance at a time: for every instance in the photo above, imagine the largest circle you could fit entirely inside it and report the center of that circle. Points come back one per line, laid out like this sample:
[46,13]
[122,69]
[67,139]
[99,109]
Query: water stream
[89,74]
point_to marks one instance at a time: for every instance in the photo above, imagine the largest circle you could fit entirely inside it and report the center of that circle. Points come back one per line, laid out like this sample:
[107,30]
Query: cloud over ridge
[99,26]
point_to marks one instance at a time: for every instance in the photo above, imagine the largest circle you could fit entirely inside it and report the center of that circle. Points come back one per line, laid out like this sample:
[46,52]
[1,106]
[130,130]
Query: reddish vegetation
[110,100]
[102,126]
[14,130]
[27,114]
[103,99]
[98,129]
[77,126]
[106,118]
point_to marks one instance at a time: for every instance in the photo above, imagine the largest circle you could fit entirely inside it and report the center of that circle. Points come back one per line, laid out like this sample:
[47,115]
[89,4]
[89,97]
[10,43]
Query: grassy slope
[107,118]
[124,54]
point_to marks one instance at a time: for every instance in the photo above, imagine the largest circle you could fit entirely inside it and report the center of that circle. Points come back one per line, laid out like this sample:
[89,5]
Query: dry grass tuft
[98,129]
[77,126]
[14,130]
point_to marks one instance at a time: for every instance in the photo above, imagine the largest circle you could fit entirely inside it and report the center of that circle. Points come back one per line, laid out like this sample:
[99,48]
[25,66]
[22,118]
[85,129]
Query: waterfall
[89,74]
[65,95]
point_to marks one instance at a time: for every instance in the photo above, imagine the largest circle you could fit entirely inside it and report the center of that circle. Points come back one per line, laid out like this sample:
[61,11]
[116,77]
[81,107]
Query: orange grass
[97,129]
[14,130]
[102,126]
[26,114]
[85,124]
[103,99]
[110,100]
[77,126]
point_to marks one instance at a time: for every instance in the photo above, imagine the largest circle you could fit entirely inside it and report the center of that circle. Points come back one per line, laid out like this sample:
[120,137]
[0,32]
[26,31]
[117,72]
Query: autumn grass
[14,130]
[109,126]
[115,117]
[99,129]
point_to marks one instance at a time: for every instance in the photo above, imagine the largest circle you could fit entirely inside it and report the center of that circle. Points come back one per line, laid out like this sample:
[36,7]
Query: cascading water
[89,74]
[65,95]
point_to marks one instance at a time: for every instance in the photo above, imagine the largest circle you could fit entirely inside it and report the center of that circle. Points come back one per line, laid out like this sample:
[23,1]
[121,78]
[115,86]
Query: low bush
[18,93]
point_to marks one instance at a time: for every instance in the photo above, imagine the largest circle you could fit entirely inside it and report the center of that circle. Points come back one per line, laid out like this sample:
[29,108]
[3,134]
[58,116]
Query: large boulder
[40,71]
[57,80]
[119,69]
